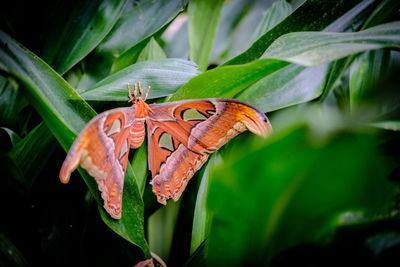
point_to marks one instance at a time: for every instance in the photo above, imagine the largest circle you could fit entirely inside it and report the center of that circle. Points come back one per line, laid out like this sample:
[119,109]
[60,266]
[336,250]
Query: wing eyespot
[165,141]
[115,127]
[192,114]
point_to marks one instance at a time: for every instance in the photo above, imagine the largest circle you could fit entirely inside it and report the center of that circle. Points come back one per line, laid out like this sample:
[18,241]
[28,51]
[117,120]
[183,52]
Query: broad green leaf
[314,48]
[176,38]
[38,142]
[274,15]
[77,32]
[295,84]
[144,20]
[146,49]
[151,51]
[354,18]
[203,19]
[11,103]
[73,76]
[65,114]
[141,22]
[348,22]
[14,137]
[130,56]
[231,14]
[312,15]
[365,73]
[49,97]
[288,86]
[360,14]
[335,72]
[288,173]
[164,76]
[202,216]
[13,182]
[161,227]
[198,257]
[244,29]
[387,125]
[381,13]
[139,167]
[216,80]
[227,81]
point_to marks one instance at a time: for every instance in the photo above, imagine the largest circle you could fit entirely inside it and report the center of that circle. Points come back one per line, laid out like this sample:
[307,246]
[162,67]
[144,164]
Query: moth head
[135,97]
[139,101]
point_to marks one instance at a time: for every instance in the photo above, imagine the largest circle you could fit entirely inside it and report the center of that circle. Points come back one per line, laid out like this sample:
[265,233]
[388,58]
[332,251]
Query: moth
[181,136]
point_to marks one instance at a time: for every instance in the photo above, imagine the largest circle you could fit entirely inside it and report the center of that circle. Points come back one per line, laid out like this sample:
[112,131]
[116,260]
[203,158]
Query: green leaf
[14,184]
[140,23]
[38,142]
[161,227]
[139,167]
[77,32]
[312,15]
[146,49]
[198,257]
[244,27]
[381,13]
[365,74]
[164,75]
[202,216]
[387,125]
[314,48]
[274,15]
[227,81]
[289,172]
[335,72]
[130,56]
[232,13]
[14,137]
[11,103]
[355,16]
[203,22]
[49,97]
[151,51]
[177,40]
[65,114]
[288,86]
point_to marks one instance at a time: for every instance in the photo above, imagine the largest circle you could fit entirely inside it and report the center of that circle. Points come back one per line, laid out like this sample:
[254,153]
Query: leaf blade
[202,27]
[65,113]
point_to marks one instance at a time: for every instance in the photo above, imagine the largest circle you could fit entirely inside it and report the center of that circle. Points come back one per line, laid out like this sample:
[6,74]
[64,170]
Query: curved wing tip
[161,200]
[114,212]
[64,177]
[267,131]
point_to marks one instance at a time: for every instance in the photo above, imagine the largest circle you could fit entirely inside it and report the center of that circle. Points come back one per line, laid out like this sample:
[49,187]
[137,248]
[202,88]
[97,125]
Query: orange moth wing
[102,149]
[182,134]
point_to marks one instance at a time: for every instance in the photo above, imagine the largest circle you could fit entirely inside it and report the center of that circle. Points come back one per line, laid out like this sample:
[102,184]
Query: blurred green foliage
[321,190]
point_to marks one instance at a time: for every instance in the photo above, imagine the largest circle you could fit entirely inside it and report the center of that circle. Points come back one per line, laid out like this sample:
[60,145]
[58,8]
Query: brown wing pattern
[102,149]
[182,134]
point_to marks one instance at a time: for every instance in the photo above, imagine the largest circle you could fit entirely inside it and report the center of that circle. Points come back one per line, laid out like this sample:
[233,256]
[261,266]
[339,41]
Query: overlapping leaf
[65,113]
[312,15]
[314,48]
[277,208]
[164,76]
[65,46]
[202,23]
